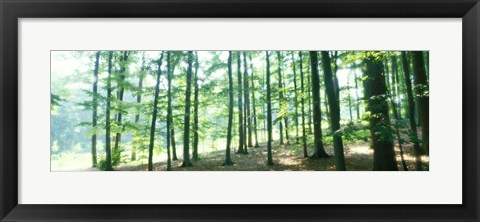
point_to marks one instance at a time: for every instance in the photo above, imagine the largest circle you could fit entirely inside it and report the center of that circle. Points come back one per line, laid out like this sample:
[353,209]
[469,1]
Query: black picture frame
[12,10]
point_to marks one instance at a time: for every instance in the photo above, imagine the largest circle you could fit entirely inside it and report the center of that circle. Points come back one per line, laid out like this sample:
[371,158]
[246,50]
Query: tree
[269,113]
[376,95]
[248,121]
[317,118]
[228,160]
[421,90]
[334,105]
[108,153]
[241,132]
[195,112]
[186,129]
[295,97]
[121,86]
[253,102]
[302,97]
[411,113]
[280,95]
[95,106]
[154,114]
[169,111]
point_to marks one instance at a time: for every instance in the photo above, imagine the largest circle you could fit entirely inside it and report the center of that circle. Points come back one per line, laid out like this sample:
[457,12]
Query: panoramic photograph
[239,111]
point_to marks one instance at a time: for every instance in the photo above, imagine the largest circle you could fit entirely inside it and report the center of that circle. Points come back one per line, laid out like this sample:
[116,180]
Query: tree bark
[280,95]
[376,93]
[421,90]
[169,110]
[253,102]
[241,138]
[95,107]
[228,160]
[302,101]
[269,114]
[120,99]
[154,115]
[186,127]
[317,119]
[334,105]
[108,153]
[295,101]
[195,112]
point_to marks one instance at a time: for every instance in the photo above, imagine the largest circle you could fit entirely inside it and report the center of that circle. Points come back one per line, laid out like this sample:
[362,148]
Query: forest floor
[358,157]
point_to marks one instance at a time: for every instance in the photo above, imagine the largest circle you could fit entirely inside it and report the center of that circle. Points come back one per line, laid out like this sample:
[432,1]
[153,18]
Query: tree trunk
[169,109]
[349,98]
[421,90]
[170,114]
[357,98]
[309,100]
[95,106]
[269,114]
[228,160]
[411,113]
[120,99]
[280,96]
[108,153]
[241,138]
[246,94]
[376,93]
[253,103]
[317,119]
[195,112]
[154,115]
[186,127]
[295,101]
[334,105]
[302,101]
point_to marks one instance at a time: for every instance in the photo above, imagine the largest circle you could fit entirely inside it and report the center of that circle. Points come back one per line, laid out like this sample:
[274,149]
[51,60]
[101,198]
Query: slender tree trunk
[302,101]
[186,127]
[309,100]
[269,114]
[421,89]
[228,160]
[154,115]
[108,153]
[317,119]
[241,138]
[195,112]
[95,107]
[376,93]
[295,101]
[349,98]
[397,132]
[169,109]
[280,95]
[357,98]
[247,103]
[120,99]
[411,113]
[253,103]
[335,78]
[139,100]
[172,125]
[334,105]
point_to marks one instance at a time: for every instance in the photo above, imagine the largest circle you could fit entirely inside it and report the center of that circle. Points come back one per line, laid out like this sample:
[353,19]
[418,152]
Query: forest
[239,111]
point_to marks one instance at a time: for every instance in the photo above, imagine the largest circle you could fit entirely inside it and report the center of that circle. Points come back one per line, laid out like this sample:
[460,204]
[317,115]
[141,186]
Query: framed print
[258,110]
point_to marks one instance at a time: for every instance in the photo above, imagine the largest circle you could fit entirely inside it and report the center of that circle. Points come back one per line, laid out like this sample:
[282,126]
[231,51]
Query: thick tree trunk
[421,90]
[253,103]
[317,119]
[186,127]
[269,114]
[108,153]
[241,135]
[228,159]
[195,112]
[411,113]
[154,115]
[95,107]
[302,101]
[334,105]
[376,93]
